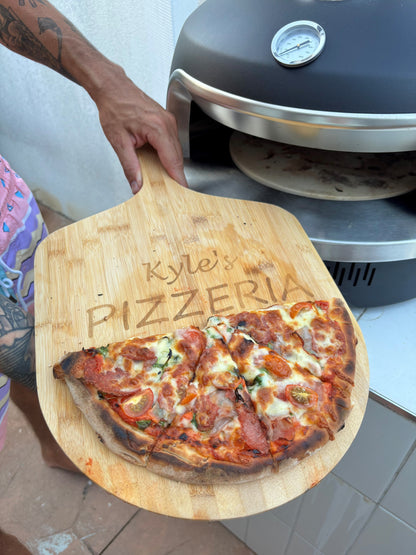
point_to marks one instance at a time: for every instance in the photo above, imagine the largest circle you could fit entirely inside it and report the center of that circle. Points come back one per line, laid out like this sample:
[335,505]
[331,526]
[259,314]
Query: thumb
[136,183]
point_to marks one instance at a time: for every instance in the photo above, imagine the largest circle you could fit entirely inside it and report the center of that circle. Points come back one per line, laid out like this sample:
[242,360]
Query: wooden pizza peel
[164,259]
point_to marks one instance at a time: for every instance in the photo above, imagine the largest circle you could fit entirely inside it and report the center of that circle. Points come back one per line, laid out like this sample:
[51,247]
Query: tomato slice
[277,365]
[296,308]
[301,396]
[138,404]
[190,395]
[323,305]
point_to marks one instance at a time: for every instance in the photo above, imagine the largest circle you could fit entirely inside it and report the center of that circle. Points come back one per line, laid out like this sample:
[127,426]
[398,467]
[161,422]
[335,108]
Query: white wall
[49,129]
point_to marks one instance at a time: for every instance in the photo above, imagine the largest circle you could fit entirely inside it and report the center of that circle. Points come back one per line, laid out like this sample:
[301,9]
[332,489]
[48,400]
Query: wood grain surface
[166,258]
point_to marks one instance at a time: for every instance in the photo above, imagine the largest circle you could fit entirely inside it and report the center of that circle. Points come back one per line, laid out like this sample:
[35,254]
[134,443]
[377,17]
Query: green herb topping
[143,424]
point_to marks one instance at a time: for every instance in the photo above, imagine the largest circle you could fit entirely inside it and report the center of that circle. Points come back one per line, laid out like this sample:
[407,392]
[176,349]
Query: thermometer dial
[298,43]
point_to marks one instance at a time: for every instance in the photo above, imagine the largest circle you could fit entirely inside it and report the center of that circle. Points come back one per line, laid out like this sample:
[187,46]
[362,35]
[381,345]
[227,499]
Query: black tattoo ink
[18,37]
[48,24]
[32,3]
[17,344]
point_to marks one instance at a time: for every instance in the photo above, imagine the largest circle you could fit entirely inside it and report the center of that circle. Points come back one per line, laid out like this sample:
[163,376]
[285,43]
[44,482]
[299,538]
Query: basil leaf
[103,351]
[258,380]
[143,424]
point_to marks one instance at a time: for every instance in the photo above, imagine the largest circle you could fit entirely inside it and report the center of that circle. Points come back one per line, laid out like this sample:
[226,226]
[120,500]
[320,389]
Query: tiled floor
[56,512]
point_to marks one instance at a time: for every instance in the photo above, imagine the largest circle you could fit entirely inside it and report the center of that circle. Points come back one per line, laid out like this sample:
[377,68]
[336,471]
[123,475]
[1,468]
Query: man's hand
[128,116]
[130,119]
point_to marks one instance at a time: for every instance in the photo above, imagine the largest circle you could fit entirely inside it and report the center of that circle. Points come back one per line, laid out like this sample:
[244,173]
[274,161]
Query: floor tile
[64,543]
[332,515]
[101,517]
[381,443]
[238,527]
[267,535]
[288,512]
[37,501]
[385,535]
[299,546]
[152,534]
[401,497]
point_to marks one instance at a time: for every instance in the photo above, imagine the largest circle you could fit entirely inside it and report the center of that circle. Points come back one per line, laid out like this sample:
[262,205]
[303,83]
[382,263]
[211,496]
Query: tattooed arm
[129,118]
[17,343]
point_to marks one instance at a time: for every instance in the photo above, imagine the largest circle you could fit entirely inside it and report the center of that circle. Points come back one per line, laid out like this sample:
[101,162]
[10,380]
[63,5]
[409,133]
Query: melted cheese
[304,320]
[305,360]
[223,371]
[166,356]
[278,409]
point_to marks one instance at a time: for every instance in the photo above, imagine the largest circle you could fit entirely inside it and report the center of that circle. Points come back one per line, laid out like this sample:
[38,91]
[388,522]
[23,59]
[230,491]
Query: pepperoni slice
[136,353]
[283,428]
[91,367]
[107,379]
[205,413]
[192,341]
[166,397]
[327,337]
[245,320]
[253,434]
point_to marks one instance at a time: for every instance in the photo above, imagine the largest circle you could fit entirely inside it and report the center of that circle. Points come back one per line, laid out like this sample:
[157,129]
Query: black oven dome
[367,65]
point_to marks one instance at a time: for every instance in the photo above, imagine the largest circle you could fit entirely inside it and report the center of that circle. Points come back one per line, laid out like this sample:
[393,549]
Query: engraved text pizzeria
[225,297]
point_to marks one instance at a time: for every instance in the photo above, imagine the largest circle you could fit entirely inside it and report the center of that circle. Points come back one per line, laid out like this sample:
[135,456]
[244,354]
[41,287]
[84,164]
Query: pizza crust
[338,312]
[122,439]
[181,462]
[167,458]
[345,379]
[302,447]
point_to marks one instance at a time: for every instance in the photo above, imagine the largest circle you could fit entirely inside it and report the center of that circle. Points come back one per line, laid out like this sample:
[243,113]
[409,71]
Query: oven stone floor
[54,512]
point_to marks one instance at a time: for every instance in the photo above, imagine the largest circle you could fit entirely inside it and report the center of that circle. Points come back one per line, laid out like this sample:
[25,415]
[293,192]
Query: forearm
[17,343]
[128,117]
[37,30]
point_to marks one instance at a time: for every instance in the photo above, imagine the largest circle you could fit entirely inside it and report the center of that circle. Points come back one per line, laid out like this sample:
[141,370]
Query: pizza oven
[310,105]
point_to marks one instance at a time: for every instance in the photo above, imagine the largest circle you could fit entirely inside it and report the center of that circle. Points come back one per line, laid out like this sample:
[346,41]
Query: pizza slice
[216,436]
[129,390]
[316,335]
[298,397]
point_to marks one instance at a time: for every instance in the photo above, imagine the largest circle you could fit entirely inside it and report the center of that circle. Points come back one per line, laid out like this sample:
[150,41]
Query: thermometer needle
[296,47]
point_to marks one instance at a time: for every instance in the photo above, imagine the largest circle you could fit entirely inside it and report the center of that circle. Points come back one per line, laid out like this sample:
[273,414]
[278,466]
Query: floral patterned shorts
[21,230]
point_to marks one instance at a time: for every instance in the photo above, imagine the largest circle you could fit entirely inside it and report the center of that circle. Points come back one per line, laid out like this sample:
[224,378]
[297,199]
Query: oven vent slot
[355,274]
[367,284]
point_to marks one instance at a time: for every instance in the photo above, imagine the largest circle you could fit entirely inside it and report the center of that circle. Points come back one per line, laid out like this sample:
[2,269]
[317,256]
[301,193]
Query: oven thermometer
[298,43]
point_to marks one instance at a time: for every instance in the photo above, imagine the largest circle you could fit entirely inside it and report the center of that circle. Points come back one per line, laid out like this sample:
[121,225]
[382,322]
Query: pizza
[230,402]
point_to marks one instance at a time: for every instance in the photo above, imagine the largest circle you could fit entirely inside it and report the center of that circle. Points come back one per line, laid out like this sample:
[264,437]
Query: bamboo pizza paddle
[166,258]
